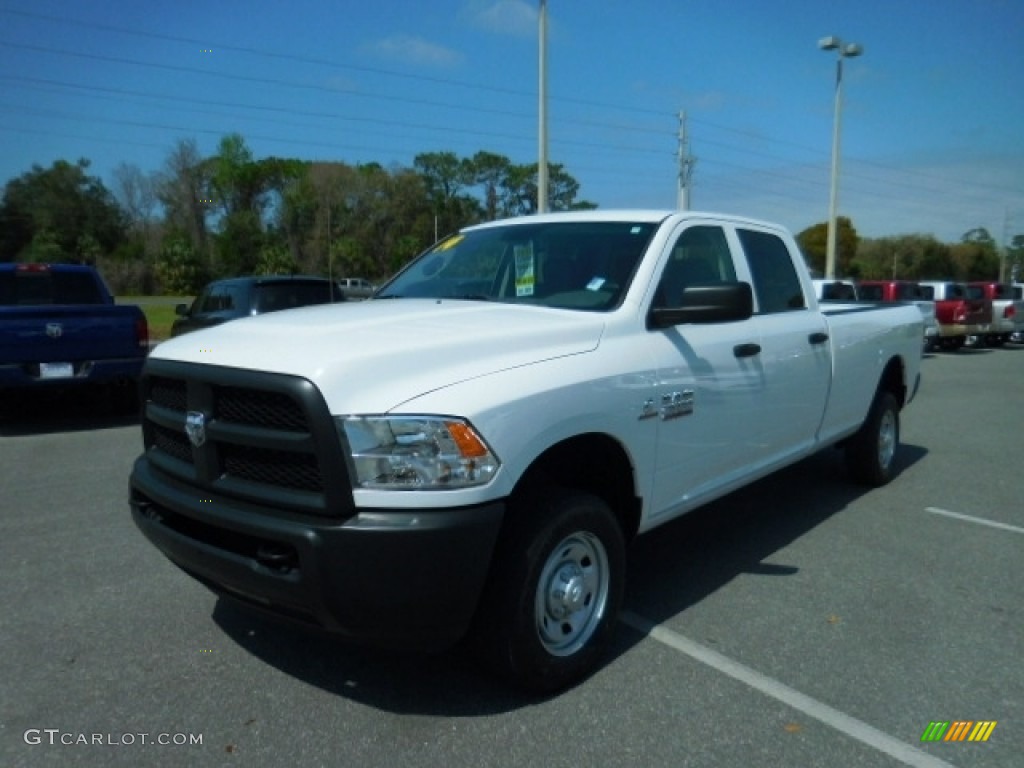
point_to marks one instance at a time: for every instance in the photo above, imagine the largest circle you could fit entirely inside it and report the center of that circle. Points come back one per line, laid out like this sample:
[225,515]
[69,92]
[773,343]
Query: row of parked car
[955,314]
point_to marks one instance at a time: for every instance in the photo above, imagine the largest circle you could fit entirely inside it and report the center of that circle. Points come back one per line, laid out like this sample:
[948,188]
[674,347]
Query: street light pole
[542,110]
[843,50]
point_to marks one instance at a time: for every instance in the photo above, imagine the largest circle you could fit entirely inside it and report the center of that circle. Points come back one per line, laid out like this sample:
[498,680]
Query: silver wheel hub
[568,591]
[572,593]
[887,439]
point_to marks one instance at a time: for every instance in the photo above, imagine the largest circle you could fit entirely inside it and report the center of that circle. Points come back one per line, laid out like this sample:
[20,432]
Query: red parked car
[962,311]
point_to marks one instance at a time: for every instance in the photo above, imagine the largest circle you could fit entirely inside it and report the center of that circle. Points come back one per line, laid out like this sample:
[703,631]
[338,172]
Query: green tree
[979,236]
[813,242]
[183,190]
[60,212]
[974,261]
[446,179]
[489,170]
[976,256]
[563,189]
[235,181]
[238,244]
[179,267]
[520,192]
[45,247]
[905,257]
[275,259]
[244,189]
[131,268]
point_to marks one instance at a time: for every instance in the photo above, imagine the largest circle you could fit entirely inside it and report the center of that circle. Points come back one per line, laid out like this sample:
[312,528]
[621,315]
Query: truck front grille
[267,439]
[270,409]
[172,443]
[169,393]
[288,470]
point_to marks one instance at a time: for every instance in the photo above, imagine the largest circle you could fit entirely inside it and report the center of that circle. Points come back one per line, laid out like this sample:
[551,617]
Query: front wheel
[550,610]
[871,452]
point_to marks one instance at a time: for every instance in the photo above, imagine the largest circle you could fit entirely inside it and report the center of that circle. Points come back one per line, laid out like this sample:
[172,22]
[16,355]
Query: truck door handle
[818,337]
[746,350]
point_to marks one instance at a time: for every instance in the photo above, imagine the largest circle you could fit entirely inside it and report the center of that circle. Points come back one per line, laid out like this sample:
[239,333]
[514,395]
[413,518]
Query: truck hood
[372,356]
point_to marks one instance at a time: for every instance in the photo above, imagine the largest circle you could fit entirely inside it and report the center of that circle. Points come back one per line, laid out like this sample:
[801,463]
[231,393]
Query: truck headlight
[416,452]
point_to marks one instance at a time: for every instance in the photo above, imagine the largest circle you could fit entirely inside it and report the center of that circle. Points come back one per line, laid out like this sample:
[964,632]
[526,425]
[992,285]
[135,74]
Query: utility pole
[1005,250]
[542,111]
[686,164]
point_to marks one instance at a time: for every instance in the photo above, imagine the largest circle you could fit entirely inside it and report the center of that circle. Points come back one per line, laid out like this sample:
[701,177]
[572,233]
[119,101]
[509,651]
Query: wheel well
[893,380]
[595,463]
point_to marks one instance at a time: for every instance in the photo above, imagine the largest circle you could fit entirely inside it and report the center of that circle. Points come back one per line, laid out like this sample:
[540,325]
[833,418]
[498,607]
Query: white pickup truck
[469,452]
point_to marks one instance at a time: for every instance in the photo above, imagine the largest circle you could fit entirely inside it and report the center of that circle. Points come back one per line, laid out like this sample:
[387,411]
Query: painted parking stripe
[975,520]
[851,726]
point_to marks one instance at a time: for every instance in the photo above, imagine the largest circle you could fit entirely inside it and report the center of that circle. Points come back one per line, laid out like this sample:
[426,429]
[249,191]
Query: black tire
[871,453]
[550,609]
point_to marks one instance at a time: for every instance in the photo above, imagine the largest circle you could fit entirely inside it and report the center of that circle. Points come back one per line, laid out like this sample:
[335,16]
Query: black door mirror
[710,303]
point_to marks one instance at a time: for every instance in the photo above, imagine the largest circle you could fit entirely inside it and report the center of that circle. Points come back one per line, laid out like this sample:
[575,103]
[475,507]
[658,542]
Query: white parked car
[1018,318]
[834,290]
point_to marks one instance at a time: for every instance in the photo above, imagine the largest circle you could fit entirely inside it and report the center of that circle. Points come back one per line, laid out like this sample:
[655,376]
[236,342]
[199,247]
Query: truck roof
[645,215]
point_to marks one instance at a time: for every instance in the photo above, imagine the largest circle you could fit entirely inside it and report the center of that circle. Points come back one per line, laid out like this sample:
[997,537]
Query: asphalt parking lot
[802,621]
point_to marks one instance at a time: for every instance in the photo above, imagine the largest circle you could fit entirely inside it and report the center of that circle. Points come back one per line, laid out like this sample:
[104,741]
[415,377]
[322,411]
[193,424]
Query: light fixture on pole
[843,51]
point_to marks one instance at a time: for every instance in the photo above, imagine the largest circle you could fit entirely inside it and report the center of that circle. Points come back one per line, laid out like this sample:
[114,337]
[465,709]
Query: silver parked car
[357,287]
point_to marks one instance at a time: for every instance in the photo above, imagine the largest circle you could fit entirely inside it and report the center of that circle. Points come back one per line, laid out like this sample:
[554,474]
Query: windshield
[270,297]
[27,288]
[570,265]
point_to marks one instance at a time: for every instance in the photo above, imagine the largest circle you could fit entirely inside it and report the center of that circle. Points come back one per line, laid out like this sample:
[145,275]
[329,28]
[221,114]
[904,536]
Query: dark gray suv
[235,297]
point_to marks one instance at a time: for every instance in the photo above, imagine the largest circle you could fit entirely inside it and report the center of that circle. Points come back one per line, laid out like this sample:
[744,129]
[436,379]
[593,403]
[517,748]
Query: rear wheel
[550,609]
[871,452]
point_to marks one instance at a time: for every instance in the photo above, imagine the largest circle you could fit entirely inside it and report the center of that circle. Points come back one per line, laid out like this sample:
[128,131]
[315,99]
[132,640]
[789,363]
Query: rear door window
[776,283]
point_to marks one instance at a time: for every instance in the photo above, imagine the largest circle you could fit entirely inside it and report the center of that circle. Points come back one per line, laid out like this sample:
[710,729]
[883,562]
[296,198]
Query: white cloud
[408,49]
[505,17]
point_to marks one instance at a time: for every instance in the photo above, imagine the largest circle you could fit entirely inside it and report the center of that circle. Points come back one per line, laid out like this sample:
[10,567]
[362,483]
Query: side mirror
[181,309]
[701,304]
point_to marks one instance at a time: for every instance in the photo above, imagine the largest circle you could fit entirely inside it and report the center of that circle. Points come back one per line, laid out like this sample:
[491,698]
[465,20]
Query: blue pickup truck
[59,327]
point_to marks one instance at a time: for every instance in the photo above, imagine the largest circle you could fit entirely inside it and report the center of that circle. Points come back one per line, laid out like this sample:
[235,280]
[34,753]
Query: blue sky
[933,120]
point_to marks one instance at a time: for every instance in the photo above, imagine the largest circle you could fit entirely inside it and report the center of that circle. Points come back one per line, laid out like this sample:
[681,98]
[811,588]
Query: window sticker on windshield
[595,284]
[451,242]
[526,274]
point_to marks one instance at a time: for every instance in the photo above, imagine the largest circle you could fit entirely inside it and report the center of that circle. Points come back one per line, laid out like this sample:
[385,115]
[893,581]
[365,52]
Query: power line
[323,62]
[448,128]
[666,134]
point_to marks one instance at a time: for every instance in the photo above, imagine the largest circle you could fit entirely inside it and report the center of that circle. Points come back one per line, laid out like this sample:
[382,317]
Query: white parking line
[976,520]
[851,726]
